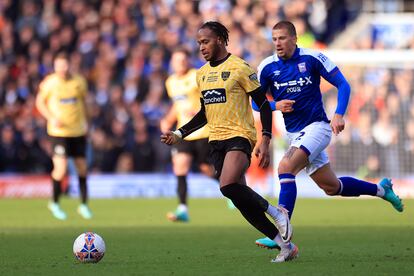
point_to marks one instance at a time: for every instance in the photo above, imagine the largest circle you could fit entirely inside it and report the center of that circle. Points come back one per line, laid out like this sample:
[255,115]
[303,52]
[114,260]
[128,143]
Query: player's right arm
[265,78]
[41,103]
[169,120]
[197,122]
[283,105]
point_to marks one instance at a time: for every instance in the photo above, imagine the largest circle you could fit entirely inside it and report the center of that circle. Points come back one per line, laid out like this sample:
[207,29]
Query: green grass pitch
[335,237]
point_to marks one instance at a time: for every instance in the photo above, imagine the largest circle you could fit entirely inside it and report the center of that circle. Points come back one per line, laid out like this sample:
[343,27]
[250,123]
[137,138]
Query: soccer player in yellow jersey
[225,83]
[61,100]
[183,91]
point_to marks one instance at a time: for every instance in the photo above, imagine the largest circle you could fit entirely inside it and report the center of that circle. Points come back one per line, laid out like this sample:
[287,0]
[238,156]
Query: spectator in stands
[112,42]
[9,161]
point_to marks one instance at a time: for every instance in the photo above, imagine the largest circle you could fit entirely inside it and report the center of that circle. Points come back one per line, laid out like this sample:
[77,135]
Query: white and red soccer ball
[89,247]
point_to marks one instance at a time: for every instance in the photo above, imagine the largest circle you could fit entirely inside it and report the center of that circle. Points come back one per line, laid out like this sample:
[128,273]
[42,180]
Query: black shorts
[69,146]
[198,149]
[218,150]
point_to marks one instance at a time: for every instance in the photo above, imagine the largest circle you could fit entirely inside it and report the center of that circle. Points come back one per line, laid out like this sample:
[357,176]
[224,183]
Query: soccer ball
[89,247]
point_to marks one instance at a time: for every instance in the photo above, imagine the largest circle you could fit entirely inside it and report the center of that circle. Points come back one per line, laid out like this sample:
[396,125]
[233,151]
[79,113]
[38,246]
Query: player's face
[61,66]
[208,43]
[179,63]
[285,43]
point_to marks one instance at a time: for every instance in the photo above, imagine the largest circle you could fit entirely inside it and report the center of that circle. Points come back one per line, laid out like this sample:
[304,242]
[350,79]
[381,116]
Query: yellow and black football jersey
[224,89]
[185,95]
[65,100]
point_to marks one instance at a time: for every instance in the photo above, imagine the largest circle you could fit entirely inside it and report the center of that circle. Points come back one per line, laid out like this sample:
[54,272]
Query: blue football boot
[390,196]
[267,243]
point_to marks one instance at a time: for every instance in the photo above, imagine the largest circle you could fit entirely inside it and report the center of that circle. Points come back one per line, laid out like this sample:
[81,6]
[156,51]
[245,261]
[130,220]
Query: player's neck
[182,73]
[64,76]
[222,55]
[220,59]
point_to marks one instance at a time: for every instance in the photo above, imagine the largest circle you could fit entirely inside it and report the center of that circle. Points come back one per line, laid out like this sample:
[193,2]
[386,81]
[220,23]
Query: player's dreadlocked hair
[219,29]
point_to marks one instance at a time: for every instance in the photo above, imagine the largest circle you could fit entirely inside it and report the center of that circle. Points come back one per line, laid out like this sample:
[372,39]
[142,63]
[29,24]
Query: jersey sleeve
[44,89]
[197,76]
[248,79]
[262,77]
[324,65]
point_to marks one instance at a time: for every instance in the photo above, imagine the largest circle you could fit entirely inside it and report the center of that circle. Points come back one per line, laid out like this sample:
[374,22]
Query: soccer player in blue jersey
[293,75]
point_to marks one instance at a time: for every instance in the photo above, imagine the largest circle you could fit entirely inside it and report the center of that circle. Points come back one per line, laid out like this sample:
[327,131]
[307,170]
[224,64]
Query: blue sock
[288,192]
[355,187]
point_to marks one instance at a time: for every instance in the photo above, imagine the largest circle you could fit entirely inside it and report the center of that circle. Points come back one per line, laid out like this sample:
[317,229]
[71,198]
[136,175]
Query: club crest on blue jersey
[225,75]
[302,67]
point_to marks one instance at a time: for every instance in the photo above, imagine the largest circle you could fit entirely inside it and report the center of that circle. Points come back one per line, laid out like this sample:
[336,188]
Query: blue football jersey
[298,78]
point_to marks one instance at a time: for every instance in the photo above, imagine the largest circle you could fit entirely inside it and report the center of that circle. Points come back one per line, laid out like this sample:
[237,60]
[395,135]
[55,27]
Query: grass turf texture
[335,237]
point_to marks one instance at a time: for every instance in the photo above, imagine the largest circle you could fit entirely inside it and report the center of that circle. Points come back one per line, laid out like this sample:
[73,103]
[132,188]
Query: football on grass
[89,247]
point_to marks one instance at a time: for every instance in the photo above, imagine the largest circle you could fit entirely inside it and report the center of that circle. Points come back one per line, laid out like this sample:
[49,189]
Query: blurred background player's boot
[267,243]
[390,196]
[84,211]
[57,212]
[181,214]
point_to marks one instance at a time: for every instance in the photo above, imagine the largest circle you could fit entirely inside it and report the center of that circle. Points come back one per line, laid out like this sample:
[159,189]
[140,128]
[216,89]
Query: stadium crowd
[123,49]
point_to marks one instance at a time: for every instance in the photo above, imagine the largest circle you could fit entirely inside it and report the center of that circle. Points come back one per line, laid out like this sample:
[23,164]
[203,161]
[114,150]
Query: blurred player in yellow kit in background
[61,101]
[183,91]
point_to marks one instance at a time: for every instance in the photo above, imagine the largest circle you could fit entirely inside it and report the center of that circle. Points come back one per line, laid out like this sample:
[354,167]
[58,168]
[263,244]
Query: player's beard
[214,53]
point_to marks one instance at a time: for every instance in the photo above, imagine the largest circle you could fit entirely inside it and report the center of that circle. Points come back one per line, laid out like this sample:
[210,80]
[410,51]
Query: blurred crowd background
[123,48]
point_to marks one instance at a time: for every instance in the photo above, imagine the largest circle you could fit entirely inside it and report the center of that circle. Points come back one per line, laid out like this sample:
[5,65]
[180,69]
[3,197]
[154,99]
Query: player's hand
[285,106]
[262,152]
[337,124]
[57,123]
[169,138]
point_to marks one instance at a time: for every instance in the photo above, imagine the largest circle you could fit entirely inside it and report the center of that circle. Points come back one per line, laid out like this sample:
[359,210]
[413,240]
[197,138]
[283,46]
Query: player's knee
[58,173]
[82,172]
[284,167]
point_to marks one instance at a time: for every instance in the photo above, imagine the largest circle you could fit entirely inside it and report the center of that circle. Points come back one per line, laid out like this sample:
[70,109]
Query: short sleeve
[248,79]
[324,65]
[168,86]
[198,73]
[44,90]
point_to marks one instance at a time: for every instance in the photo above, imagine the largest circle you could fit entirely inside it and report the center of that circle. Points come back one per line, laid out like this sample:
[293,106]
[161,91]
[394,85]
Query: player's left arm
[337,79]
[265,110]
[248,80]
[329,71]
[262,151]
[169,119]
[84,99]
[272,106]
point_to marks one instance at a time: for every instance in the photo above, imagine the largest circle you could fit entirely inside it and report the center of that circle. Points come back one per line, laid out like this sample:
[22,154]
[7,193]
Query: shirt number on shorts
[300,136]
